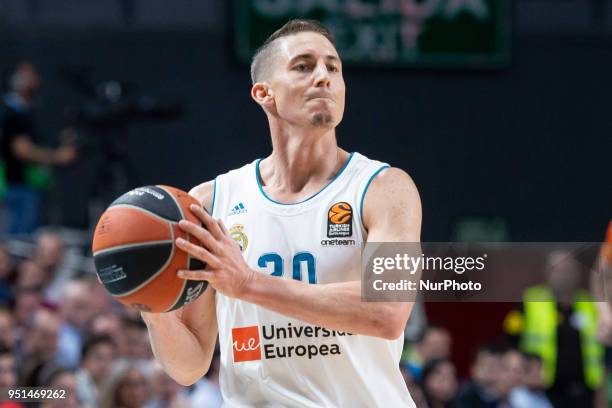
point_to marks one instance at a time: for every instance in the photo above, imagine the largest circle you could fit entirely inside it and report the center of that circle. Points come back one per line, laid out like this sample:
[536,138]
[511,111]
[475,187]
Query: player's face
[307,81]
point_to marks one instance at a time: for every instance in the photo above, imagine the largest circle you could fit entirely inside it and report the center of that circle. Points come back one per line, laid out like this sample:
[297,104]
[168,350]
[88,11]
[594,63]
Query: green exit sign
[417,33]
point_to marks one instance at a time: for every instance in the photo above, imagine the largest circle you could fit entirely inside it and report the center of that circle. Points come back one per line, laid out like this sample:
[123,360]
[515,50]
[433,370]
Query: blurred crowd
[554,350]
[59,328]
[500,375]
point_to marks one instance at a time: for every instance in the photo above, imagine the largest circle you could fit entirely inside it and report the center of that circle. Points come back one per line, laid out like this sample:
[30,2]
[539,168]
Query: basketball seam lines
[186,281]
[127,246]
[152,277]
[175,202]
[145,211]
[180,295]
[178,205]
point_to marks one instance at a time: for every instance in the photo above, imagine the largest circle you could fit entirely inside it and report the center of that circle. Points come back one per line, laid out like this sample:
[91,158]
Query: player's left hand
[226,269]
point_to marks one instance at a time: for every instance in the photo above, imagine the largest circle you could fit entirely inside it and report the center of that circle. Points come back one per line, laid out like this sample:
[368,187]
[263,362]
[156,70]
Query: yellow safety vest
[540,333]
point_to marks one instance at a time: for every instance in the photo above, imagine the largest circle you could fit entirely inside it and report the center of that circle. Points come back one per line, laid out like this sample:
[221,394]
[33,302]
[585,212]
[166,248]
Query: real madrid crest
[236,232]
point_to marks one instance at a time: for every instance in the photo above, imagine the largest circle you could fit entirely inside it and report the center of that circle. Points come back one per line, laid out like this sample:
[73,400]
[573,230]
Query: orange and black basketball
[135,254]
[340,213]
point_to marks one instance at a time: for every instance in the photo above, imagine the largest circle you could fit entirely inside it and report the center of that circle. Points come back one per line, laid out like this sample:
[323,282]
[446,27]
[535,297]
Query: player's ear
[262,93]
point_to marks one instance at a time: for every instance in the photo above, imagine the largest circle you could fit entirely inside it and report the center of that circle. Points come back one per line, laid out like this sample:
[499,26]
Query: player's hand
[226,269]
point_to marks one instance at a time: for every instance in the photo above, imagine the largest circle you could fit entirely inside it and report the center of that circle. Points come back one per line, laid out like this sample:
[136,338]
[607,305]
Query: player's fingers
[196,275]
[198,252]
[208,221]
[200,233]
[222,226]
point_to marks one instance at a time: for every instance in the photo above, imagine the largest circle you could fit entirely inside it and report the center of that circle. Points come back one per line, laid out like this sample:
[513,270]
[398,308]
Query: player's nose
[321,75]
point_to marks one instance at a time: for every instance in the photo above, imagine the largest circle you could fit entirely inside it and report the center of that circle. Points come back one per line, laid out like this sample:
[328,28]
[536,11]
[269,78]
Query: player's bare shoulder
[392,199]
[393,181]
[204,193]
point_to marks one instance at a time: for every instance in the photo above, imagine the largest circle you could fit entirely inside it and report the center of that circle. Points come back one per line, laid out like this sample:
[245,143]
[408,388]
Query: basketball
[135,254]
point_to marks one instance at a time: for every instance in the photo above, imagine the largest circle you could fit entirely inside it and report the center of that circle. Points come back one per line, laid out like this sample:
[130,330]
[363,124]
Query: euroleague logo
[340,220]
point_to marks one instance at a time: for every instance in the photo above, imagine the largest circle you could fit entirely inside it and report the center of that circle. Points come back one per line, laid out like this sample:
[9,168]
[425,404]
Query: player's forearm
[177,348]
[335,306]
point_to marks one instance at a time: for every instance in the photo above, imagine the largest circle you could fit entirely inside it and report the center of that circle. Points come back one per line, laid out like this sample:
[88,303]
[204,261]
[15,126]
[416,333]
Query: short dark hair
[94,341]
[4,350]
[49,372]
[290,28]
[128,322]
[532,357]
[492,349]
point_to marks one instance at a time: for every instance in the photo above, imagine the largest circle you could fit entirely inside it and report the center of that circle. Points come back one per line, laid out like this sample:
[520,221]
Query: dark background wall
[529,143]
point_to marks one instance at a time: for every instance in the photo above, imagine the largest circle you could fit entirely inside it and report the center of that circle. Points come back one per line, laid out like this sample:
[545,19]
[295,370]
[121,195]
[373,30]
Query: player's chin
[322,119]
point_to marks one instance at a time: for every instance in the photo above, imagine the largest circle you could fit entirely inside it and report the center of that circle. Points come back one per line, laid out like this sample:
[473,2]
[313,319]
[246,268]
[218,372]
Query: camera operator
[20,149]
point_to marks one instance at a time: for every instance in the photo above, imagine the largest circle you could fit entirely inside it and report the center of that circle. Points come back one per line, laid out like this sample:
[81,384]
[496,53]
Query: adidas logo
[238,209]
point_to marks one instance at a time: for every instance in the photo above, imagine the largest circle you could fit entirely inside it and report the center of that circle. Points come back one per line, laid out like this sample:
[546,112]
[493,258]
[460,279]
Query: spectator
[560,319]
[38,346]
[59,378]
[207,392]
[8,376]
[510,375]
[481,390]
[101,301]
[109,324]
[530,394]
[166,392]
[125,388]
[7,328]
[20,149]
[49,253]
[30,275]
[435,342]
[8,368]
[76,309]
[40,339]
[138,349]
[97,360]
[27,302]
[417,395]
[601,287]
[49,256]
[6,274]
[439,383]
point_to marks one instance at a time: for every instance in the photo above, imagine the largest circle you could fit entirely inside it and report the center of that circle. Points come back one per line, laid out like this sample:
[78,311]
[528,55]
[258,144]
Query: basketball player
[286,303]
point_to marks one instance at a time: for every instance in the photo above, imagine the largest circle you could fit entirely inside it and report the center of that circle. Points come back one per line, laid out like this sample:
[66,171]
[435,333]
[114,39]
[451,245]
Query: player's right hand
[226,271]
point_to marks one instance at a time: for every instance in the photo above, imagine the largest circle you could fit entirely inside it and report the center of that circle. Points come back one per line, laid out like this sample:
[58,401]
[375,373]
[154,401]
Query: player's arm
[183,341]
[335,306]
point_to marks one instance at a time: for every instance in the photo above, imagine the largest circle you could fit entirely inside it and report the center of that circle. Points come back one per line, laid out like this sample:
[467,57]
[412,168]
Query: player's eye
[301,67]
[332,68]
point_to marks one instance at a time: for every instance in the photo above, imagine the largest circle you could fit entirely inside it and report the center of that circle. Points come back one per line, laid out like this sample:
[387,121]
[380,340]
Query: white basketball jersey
[268,359]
